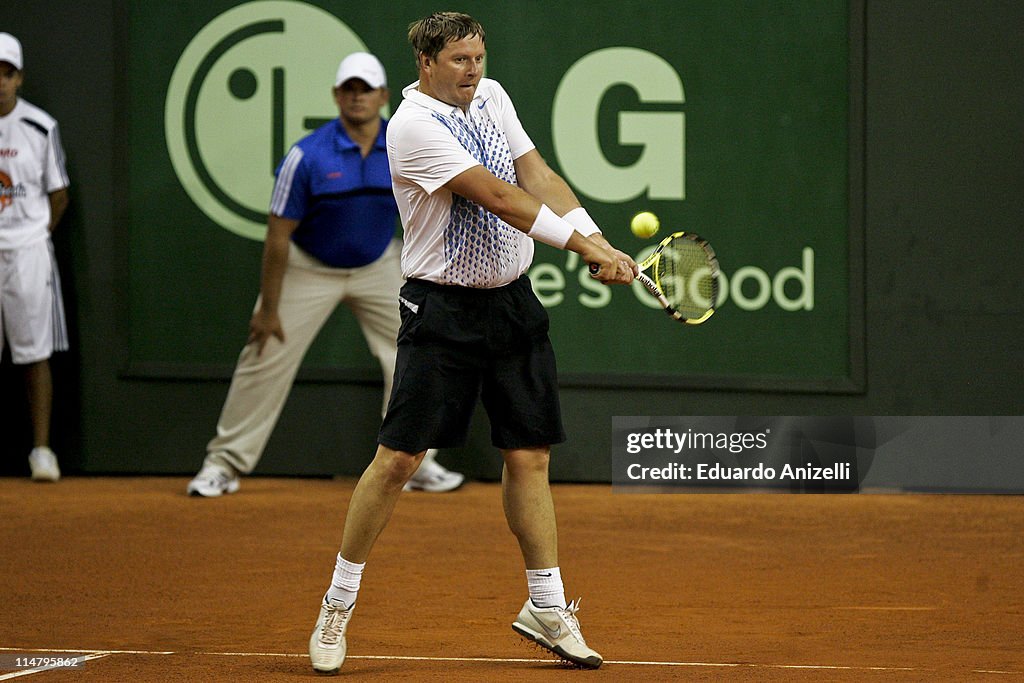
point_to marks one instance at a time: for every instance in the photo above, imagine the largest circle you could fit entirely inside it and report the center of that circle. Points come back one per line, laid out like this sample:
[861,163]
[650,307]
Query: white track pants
[309,294]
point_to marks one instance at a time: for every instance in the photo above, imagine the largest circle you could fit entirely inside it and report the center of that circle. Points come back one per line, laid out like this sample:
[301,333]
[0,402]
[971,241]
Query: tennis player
[474,195]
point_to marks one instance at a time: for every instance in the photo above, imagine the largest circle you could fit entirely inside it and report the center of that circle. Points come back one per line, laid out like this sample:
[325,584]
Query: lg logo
[253,81]
[659,172]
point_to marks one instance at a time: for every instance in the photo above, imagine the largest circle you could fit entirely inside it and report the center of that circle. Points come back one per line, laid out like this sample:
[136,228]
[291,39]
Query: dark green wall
[943,306]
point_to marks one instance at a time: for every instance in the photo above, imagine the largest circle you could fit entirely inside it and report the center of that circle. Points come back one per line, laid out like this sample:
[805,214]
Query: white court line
[897,608]
[528,660]
[996,671]
[722,665]
[64,650]
[503,660]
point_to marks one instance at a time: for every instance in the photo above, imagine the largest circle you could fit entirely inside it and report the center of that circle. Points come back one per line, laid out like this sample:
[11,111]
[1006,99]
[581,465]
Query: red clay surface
[696,587]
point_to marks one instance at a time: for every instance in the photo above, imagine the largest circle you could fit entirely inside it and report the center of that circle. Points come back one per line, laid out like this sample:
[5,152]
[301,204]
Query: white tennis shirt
[449,239]
[31,167]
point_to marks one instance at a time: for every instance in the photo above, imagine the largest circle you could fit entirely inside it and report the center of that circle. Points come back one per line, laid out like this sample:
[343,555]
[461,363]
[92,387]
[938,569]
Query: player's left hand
[626,266]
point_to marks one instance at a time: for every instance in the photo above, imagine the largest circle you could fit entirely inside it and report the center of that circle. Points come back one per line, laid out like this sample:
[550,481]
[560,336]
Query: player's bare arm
[519,209]
[539,180]
[265,322]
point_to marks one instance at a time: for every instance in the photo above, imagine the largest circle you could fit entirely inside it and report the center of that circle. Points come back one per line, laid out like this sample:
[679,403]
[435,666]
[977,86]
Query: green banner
[729,119]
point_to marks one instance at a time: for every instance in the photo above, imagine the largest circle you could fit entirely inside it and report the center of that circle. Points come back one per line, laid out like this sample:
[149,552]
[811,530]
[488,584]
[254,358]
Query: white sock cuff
[345,581]
[348,569]
[549,574]
[545,586]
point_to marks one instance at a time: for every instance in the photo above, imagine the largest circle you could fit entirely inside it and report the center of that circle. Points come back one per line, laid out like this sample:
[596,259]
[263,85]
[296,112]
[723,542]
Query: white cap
[10,50]
[365,67]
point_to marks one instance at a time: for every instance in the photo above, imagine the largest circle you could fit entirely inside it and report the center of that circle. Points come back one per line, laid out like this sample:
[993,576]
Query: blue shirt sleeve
[291,189]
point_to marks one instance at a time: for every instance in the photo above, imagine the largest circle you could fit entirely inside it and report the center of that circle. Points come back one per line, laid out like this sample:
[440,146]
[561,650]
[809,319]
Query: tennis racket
[682,274]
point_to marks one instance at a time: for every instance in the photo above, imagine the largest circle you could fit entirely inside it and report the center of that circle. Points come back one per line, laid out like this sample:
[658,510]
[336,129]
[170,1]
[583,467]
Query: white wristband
[550,229]
[581,220]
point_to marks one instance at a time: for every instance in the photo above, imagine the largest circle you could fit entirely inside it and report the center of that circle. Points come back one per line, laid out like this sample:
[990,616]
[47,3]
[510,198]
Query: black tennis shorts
[458,345]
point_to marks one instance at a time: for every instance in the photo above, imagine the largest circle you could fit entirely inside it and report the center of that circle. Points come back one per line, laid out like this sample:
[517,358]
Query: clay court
[699,587]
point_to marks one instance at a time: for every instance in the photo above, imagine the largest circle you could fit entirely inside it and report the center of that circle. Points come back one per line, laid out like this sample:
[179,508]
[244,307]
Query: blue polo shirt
[343,202]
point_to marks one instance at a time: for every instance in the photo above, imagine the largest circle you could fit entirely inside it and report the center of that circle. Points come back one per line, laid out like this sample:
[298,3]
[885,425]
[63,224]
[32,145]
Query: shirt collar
[343,141]
[411,93]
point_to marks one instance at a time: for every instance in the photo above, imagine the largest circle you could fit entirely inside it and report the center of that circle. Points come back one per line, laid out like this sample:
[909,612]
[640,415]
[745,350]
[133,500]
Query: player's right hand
[264,325]
[607,264]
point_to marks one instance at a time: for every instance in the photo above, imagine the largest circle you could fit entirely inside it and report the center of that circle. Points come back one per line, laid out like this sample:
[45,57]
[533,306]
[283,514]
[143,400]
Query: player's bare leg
[369,510]
[530,511]
[373,500]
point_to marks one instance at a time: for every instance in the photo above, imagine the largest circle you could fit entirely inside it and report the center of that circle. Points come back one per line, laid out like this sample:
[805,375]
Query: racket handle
[595,268]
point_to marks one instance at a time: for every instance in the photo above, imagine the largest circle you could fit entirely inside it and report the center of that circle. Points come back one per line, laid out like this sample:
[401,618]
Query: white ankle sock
[545,587]
[345,582]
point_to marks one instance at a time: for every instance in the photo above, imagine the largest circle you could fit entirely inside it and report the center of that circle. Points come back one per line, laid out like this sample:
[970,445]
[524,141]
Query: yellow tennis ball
[645,224]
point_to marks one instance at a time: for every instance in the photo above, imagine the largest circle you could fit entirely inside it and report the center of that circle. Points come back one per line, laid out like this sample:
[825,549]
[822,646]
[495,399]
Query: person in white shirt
[33,198]
[474,194]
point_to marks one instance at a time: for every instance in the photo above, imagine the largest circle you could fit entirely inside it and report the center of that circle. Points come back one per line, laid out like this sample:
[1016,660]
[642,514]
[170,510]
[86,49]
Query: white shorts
[32,319]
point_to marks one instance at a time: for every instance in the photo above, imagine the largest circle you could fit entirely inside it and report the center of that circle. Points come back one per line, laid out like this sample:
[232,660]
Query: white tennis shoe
[557,630]
[432,477]
[213,481]
[43,464]
[327,646]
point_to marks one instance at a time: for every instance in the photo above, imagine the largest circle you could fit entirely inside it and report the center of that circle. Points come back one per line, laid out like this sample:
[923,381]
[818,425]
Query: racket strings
[687,275]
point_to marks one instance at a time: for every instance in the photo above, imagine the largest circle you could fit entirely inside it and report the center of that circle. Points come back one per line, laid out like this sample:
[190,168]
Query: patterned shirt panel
[480,248]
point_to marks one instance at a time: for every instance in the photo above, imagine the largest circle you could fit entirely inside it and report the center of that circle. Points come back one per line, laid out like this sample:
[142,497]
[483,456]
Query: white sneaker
[327,646]
[43,464]
[213,481]
[432,477]
[557,630]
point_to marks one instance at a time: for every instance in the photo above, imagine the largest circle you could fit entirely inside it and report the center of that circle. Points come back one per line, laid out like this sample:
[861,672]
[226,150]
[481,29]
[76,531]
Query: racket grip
[595,268]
